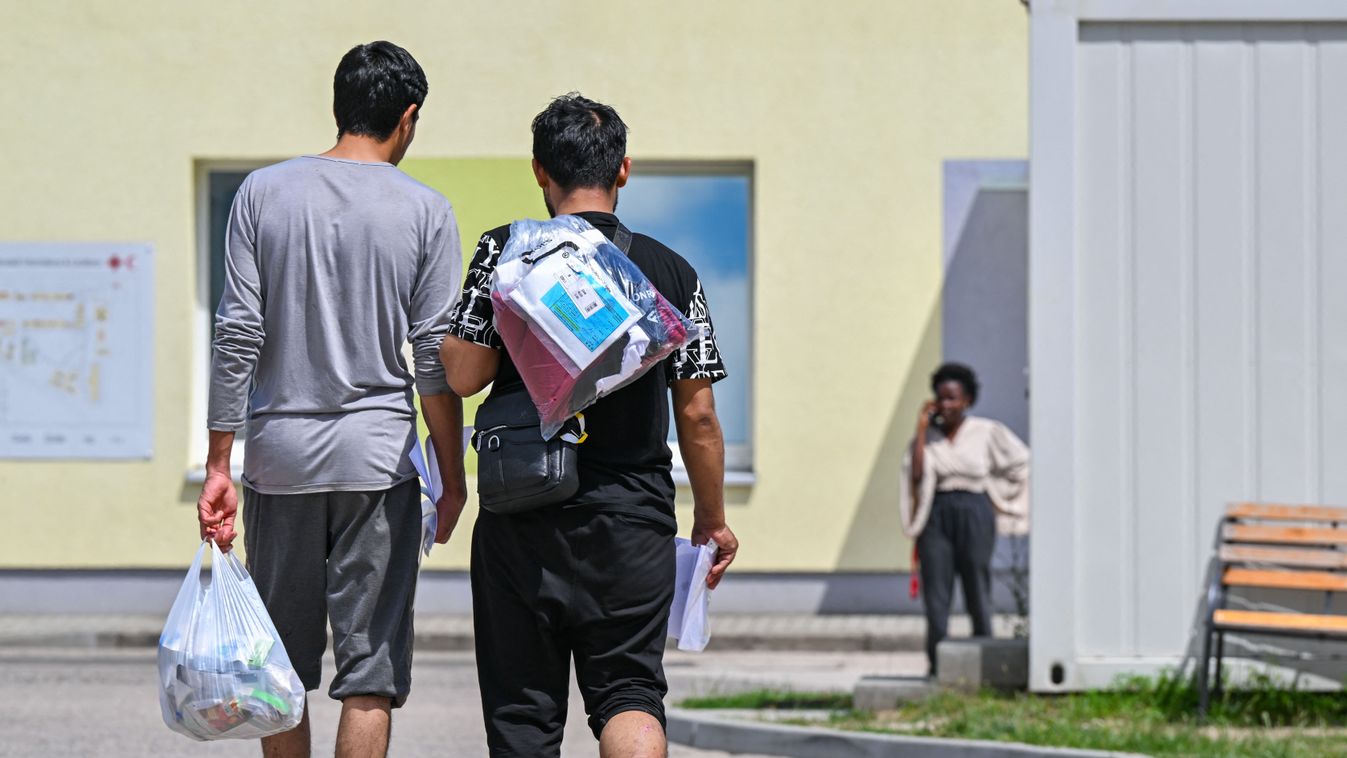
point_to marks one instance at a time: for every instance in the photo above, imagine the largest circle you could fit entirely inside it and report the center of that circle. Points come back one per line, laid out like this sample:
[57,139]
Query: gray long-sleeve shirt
[330,267]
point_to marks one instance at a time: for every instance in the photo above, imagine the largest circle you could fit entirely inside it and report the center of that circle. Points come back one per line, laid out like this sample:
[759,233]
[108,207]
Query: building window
[221,188]
[217,183]
[704,212]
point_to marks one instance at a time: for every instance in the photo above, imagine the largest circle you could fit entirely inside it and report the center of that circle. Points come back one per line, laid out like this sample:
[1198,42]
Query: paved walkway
[892,633]
[103,701]
[85,684]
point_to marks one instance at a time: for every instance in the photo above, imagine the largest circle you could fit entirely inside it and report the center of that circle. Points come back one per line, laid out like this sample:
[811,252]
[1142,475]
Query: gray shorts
[350,557]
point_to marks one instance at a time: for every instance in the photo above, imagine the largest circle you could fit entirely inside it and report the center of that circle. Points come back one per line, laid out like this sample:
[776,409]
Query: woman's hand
[918,451]
[928,409]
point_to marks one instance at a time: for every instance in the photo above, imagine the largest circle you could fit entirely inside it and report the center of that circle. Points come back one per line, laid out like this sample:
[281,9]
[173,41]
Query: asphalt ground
[104,701]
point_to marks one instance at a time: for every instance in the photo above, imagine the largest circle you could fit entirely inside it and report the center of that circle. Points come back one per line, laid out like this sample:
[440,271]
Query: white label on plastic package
[581,292]
[550,297]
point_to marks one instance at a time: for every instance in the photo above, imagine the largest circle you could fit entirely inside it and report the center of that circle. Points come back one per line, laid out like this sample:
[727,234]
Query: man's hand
[727,547]
[444,420]
[216,508]
[447,512]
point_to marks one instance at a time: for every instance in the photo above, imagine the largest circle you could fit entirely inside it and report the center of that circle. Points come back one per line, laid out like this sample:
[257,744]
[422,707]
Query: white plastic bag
[223,672]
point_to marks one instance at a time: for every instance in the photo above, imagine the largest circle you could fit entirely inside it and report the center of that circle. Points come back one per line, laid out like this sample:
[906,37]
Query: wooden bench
[1273,547]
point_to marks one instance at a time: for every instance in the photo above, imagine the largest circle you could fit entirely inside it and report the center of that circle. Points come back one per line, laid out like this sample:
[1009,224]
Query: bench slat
[1286,580]
[1277,512]
[1272,622]
[1284,556]
[1286,535]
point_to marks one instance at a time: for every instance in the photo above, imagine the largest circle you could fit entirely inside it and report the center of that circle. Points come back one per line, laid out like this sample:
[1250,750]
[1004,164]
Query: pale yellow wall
[846,109]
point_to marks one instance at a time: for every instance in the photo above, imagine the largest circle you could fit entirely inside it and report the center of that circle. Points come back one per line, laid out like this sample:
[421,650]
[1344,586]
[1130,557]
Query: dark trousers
[348,558]
[553,585]
[957,541]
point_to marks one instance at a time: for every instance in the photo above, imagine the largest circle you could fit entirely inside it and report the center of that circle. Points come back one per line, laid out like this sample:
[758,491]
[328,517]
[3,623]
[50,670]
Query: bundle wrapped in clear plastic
[579,319]
[223,672]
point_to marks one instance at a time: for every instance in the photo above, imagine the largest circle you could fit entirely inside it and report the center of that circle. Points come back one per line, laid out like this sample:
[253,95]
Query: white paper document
[428,468]
[431,489]
[688,617]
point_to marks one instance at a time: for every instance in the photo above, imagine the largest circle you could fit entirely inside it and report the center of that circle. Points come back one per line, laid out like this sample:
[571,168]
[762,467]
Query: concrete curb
[708,732]
[460,642]
[441,642]
[820,643]
[454,633]
[87,639]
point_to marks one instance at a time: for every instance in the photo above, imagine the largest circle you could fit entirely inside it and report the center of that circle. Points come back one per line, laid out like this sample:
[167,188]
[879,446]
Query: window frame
[204,311]
[739,458]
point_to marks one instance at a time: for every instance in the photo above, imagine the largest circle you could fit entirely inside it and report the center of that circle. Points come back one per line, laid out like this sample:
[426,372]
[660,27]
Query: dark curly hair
[580,143]
[956,372]
[374,85]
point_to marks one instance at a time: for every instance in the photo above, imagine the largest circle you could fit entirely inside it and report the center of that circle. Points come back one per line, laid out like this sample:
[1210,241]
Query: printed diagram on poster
[76,350]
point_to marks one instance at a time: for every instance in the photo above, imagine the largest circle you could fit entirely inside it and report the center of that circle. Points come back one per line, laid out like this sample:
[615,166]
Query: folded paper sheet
[688,621]
[431,489]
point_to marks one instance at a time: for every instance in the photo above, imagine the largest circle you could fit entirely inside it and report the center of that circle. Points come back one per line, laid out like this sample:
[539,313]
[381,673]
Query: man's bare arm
[219,501]
[703,447]
[468,367]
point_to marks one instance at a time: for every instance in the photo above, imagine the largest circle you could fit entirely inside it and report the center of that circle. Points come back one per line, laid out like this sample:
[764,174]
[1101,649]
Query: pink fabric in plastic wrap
[547,380]
[546,345]
[551,383]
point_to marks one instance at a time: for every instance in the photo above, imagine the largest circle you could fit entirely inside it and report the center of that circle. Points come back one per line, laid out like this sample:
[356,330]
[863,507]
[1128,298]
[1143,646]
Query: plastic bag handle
[192,581]
[622,238]
[187,594]
[229,580]
[220,559]
[195,568]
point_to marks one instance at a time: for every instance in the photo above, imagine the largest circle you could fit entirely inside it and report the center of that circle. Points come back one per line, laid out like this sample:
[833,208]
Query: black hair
[374,85]
[579,143]
[956,372]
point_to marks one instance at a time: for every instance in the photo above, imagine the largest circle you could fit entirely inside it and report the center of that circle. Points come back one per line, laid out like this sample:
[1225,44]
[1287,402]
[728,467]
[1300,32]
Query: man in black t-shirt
[592,577]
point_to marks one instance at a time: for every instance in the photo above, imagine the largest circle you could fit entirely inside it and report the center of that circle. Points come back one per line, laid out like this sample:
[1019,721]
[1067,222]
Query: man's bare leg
[366,722]
[291,744]
[633,734]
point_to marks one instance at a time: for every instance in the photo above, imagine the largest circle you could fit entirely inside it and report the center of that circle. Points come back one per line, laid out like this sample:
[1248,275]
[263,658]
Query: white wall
[1189,243]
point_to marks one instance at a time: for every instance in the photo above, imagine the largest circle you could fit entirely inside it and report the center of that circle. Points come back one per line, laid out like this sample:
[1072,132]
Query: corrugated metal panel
[1332,239]
[1211,190]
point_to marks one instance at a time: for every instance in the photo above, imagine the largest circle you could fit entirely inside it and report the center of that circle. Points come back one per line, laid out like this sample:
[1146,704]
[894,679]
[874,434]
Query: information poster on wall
[76,350]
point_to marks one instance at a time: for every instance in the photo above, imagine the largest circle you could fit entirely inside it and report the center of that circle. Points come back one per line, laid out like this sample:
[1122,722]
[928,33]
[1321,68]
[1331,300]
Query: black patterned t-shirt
[625,465]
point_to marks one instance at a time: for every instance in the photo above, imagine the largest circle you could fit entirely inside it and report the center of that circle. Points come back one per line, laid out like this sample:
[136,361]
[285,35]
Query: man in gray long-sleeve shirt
[332,263]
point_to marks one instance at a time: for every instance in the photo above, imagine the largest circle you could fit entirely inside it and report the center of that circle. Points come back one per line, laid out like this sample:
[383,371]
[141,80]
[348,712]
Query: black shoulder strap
[622,238]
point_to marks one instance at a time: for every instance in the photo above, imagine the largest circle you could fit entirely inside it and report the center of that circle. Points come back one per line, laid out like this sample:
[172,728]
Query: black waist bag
[518,470]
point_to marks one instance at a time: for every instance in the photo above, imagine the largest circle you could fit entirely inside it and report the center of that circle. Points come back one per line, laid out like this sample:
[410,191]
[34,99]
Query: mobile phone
[935,418]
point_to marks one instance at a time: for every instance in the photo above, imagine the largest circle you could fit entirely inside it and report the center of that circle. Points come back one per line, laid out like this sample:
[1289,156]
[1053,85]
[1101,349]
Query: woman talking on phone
[960,474]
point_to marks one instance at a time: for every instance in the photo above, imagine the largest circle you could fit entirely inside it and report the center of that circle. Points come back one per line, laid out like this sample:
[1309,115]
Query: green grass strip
[1157,716]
